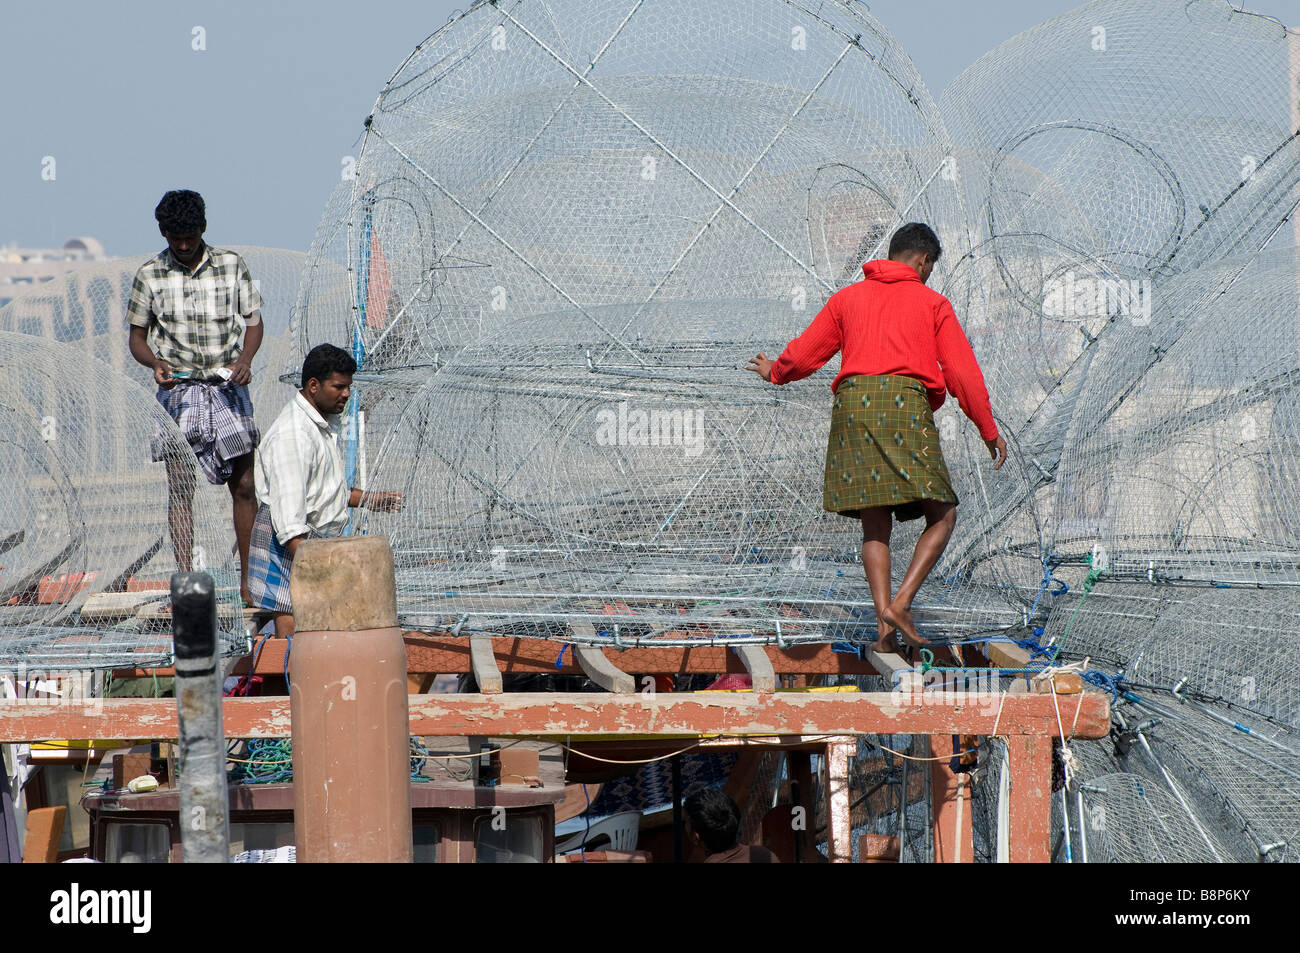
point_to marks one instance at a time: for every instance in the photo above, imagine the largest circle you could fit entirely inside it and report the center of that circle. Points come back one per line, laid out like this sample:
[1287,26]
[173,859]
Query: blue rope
[559,659]
[419,754]
[1107,682]
[1050,562]
[1035,650]
[287,649]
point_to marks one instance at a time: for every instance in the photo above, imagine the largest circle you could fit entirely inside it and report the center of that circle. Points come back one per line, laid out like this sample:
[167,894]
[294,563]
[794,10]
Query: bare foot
[901,619]
[886,643]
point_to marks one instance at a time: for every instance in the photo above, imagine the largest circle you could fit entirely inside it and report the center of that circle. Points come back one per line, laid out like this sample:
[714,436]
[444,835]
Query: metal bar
[205,823]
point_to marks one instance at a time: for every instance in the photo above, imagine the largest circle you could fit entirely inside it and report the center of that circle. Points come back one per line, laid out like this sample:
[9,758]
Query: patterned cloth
[268,565]
[883,448]
[216,418]
[277,855]
[196,319]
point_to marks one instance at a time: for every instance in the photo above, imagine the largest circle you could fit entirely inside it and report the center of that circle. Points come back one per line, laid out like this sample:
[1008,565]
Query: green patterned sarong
[883,448]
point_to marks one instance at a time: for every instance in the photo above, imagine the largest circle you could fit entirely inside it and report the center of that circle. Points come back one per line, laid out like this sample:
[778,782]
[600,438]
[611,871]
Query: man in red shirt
[903,350]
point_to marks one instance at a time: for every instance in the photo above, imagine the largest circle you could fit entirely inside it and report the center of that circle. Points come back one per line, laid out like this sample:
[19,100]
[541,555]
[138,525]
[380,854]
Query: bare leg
[877,522]
[180,511]
[243,504]
[283,624]
[940,518]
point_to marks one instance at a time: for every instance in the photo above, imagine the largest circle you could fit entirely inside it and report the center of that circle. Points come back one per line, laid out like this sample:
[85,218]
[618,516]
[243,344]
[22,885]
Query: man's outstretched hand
[997,450]
[761,366]
[382,501]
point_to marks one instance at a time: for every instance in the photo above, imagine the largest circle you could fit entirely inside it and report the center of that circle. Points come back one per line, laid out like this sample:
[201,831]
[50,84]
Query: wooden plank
[1008,655]
[602,671]
[762,675]
[484,665]
[576,714]
[115,606]
[889,664]
[1029,809]
[839,848]
[44,830]
[596,666]
[950,797]
[895,668]
[450,655]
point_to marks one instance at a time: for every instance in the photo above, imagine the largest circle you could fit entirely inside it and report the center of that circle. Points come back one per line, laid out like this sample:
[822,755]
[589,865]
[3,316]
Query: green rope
[270,760]
[1088,582]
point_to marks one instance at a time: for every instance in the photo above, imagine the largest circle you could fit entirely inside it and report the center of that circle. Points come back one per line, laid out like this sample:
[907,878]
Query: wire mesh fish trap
[85,512]
[566,237]
[566,233]
[87,542]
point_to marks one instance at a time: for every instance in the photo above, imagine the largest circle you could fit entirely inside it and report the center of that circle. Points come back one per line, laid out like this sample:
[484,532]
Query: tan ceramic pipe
[348,702]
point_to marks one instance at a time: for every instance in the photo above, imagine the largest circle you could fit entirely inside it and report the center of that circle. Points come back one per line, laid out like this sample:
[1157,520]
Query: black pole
[679,832]
[205,824]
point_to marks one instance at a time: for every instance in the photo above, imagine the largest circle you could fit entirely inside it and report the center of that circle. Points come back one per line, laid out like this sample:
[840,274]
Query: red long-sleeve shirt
[891,323]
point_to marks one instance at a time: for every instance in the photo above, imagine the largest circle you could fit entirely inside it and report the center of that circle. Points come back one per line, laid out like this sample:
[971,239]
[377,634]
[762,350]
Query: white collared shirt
[299,473]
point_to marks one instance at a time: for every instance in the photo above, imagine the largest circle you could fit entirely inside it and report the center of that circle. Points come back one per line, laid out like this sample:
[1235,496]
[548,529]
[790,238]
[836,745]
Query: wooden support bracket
[597,666]
[761,674]
[484,665]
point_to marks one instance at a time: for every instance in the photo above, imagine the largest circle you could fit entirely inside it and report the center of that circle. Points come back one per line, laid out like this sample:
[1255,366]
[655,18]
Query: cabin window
[426,838]
[508,839]
[262,835]
[137,843]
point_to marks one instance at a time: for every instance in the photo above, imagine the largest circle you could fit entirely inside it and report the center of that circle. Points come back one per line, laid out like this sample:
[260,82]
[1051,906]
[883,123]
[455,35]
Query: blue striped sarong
[216,418]
[269,564]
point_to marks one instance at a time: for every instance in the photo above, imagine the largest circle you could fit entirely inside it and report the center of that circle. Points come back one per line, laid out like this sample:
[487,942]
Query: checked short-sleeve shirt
[195,319]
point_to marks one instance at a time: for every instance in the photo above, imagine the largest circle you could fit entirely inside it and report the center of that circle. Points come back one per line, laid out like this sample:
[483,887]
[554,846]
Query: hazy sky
[260,120]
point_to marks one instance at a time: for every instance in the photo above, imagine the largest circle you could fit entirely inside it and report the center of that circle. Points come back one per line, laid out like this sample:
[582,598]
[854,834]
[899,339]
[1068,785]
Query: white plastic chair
[621,829]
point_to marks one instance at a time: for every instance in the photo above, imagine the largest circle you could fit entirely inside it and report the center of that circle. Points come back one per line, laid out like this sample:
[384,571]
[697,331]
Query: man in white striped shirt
[301,484]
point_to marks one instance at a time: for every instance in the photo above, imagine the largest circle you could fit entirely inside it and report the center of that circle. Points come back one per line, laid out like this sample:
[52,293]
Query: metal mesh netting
[1130,216]
[85,511]
[567,236]
[571,224]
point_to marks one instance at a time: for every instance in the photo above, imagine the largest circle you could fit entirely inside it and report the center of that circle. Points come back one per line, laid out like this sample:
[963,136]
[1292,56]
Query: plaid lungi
[216,418]
[883,448]
[269,564]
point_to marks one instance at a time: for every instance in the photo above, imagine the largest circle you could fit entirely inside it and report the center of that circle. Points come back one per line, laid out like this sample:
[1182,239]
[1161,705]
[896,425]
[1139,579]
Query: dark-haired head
[917,245]
[327,377]
[181,212]
[715,818]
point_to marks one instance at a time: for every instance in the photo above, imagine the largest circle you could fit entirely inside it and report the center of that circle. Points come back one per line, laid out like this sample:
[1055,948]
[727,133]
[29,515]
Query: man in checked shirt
[190,305]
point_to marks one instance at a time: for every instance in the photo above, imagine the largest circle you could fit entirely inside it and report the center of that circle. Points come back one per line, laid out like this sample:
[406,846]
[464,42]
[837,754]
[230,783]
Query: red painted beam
[950,797]
[1030,806]
[577,715]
